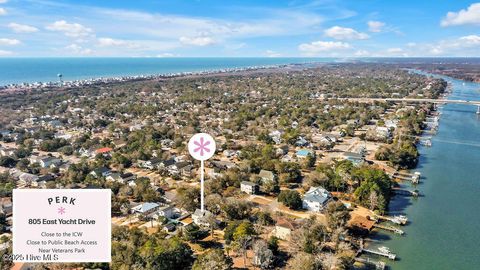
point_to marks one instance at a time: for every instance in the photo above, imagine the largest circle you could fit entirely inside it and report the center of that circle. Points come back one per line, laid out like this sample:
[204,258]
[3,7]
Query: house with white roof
[276,136]
[383,132]
[166,211]
[6,151]
[391,123]
[146,208]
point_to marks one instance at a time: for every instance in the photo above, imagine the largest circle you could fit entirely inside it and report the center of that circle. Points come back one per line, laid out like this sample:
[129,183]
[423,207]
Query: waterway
[444,232]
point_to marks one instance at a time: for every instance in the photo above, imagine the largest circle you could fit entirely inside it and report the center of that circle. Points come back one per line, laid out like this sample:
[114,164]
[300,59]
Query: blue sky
[320,28]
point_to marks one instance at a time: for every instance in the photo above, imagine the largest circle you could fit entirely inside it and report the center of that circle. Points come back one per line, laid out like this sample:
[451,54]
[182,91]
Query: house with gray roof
[44,179]
[316,199]
[203,218]
[46,161]
[101,172]
[301,141]
[355,158]
[121,177]
[28,179]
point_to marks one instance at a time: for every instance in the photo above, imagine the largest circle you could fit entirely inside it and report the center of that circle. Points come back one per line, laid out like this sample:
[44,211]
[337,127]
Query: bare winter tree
[263,256]
[373,198]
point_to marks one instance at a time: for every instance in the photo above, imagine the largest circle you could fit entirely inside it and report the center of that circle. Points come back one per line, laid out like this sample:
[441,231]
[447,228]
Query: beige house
[283,229]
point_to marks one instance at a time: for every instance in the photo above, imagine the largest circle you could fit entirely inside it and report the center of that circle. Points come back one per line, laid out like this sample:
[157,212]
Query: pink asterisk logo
[61,210]
[202,146]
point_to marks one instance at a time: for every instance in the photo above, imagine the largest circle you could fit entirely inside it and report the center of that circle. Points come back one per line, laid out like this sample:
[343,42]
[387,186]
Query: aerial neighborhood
[302,169]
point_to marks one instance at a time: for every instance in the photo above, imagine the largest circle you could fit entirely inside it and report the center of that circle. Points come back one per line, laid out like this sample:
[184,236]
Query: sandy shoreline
[11,88]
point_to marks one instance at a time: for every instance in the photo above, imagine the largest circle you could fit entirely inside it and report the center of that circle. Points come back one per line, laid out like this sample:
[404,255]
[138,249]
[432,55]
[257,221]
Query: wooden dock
[400,220]
[378,265]
[401,191]
[372,240]
[391,256]
[414,178]
[389,228]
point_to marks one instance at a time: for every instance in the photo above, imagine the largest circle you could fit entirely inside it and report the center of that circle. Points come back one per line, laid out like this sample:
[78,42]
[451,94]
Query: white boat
[426,143]
[384,249]
[400,219]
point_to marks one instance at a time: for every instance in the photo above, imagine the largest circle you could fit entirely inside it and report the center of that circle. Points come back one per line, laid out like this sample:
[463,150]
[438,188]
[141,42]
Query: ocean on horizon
[30,70]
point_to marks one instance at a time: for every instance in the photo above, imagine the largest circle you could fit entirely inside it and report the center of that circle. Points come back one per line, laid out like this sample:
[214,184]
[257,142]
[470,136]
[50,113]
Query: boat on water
[426,143]
[400,219]
[384,249]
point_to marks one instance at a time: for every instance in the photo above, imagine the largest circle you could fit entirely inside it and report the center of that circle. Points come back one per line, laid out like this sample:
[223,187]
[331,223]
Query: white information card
[62,225]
